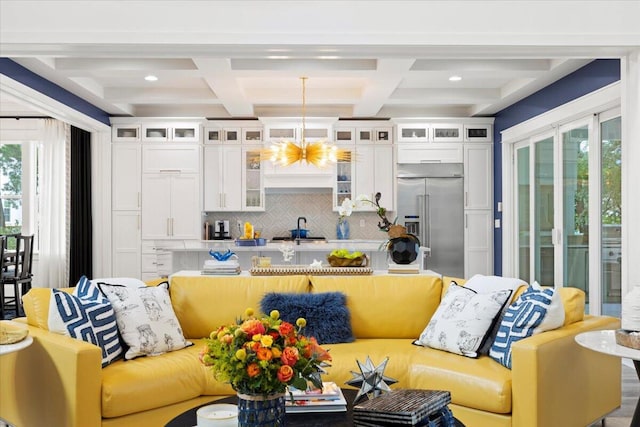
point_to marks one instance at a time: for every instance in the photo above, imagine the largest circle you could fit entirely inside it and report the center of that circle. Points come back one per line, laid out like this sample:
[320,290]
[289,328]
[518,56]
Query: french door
[566,198]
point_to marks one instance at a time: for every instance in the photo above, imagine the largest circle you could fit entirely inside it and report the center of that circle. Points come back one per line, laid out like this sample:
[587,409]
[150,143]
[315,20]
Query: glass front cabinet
[252,179]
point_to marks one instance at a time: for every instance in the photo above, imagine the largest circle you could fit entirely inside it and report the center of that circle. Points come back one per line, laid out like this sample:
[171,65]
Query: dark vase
[404,250]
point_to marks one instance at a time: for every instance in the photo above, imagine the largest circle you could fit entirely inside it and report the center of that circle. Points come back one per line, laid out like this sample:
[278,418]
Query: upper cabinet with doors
[230,132]
[371,168]
[125,133]
[170,132]
[222,178]
[126,172]
[478,173]
[232,168]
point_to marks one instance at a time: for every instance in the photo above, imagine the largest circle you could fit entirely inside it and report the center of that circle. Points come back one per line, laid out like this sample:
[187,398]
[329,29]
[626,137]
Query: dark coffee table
[311,419]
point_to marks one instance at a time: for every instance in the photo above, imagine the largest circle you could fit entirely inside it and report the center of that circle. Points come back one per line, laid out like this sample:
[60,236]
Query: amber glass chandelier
[319,154]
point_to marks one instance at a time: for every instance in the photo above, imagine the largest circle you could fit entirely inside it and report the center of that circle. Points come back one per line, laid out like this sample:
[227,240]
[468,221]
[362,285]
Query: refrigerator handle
[425,219]
[427,209]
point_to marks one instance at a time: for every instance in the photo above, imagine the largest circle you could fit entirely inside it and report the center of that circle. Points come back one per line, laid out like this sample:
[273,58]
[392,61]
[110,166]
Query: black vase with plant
[403,247]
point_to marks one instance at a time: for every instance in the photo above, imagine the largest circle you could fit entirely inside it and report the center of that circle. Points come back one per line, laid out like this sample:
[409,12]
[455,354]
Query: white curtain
[52,262]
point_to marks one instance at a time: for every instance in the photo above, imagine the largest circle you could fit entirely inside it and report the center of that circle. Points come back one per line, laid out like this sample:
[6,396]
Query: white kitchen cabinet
[344,178]
[213,135]
[377,135]
[412,133]
[170,206]
[126,244]
[478,133]
[180,158]
[125,133]
[252,179]
[478,180]
[447,132]
[252,135]
[374,173]
[478,242]
[431,152]
[345,136]
[126,174]
[171,132]
[222,178]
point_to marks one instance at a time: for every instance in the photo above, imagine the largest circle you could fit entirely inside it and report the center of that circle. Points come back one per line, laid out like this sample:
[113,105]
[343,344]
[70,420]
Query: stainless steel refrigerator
[431,206]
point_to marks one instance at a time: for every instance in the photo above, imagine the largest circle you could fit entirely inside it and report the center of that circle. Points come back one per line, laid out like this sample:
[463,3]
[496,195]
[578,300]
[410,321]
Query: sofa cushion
[345,355]
[228,298]
[573,300]
[385,306]
[36,305]
[463,320]
[144,383]
[478,383]
[90,320]
[326,313]
[146,319]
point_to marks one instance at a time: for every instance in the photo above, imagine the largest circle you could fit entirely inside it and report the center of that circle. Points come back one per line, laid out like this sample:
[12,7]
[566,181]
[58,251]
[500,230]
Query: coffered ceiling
[250,71]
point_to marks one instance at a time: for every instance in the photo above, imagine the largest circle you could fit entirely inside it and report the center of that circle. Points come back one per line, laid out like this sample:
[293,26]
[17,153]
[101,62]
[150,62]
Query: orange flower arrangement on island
[264,355]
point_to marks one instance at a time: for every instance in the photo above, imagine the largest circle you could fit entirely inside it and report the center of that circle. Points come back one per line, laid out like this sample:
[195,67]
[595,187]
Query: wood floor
[630,393]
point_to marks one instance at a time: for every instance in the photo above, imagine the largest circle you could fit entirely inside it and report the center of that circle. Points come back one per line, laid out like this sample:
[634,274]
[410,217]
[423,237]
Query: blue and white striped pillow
[86,315]
[519,321]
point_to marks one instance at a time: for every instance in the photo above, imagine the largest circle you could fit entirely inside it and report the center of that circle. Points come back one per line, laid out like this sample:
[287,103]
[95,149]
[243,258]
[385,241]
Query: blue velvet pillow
[327,315]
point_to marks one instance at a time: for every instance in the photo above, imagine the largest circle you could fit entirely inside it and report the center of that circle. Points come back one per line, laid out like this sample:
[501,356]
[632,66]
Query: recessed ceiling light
[455,78]
[151,78]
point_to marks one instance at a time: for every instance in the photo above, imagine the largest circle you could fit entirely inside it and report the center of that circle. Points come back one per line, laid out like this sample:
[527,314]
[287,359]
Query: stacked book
[213,266]
[329,399]
[404,268]
[405,407]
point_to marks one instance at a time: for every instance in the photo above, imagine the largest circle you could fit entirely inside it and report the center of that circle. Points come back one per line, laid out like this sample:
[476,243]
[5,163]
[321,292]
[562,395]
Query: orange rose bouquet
[264,355]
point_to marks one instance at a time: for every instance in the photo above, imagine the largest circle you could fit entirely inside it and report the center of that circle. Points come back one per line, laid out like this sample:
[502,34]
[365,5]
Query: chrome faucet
[300,218]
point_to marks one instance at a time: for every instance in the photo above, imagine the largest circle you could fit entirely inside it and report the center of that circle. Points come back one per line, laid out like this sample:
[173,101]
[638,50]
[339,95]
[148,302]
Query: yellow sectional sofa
[58,381]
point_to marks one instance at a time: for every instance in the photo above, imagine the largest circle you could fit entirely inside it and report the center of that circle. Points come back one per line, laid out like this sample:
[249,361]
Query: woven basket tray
[283,270]
[361,261]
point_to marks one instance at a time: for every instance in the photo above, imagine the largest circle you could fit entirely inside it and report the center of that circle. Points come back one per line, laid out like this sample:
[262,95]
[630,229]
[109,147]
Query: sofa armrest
[557,382]
[55,381]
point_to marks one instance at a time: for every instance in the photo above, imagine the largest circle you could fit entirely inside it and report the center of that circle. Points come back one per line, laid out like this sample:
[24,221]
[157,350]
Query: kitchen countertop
[310,246]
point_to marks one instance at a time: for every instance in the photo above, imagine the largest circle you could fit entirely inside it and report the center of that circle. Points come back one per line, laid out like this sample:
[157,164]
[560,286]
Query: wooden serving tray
[283,270]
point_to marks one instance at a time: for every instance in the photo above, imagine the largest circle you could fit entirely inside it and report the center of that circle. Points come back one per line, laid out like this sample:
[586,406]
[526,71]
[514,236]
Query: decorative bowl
[361,261]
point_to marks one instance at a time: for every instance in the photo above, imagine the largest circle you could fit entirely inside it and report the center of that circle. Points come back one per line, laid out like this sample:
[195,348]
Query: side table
[10,348]
[605,342]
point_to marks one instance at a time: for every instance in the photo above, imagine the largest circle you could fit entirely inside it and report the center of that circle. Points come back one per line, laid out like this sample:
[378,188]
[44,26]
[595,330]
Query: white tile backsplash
[283,210]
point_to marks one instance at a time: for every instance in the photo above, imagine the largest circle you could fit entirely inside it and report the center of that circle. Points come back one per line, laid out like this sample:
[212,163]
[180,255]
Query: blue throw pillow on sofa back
[327,315]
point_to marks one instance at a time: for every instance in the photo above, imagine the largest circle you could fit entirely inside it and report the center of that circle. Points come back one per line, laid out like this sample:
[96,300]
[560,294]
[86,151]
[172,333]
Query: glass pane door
[543,210]
[575,208]
[610,139]
[523,203]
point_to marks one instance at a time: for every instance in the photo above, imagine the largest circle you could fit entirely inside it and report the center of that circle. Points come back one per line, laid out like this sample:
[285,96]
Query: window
[11,188]
[18,196]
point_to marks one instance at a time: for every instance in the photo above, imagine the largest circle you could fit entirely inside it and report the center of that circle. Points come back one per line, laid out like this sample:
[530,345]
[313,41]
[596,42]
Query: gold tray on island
[361,261]
[282,270]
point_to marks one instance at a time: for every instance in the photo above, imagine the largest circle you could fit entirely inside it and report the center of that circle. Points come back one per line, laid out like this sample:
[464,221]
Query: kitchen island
[193,256]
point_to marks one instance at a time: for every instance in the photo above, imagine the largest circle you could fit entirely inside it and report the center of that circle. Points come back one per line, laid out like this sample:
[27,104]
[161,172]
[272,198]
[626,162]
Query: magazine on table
[330,399]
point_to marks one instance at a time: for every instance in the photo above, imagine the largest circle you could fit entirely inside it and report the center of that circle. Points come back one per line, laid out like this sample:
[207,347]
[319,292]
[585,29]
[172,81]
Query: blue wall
[592,76]
[28,78]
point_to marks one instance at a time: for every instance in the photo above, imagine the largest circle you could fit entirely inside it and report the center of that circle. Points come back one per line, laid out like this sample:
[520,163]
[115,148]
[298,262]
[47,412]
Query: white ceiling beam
[224,84]
[381,86]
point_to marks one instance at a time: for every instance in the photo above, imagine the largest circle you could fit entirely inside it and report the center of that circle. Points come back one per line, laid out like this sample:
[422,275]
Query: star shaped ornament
[371,379]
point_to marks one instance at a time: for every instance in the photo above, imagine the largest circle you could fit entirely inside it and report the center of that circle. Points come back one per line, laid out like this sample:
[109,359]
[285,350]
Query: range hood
[301,176]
